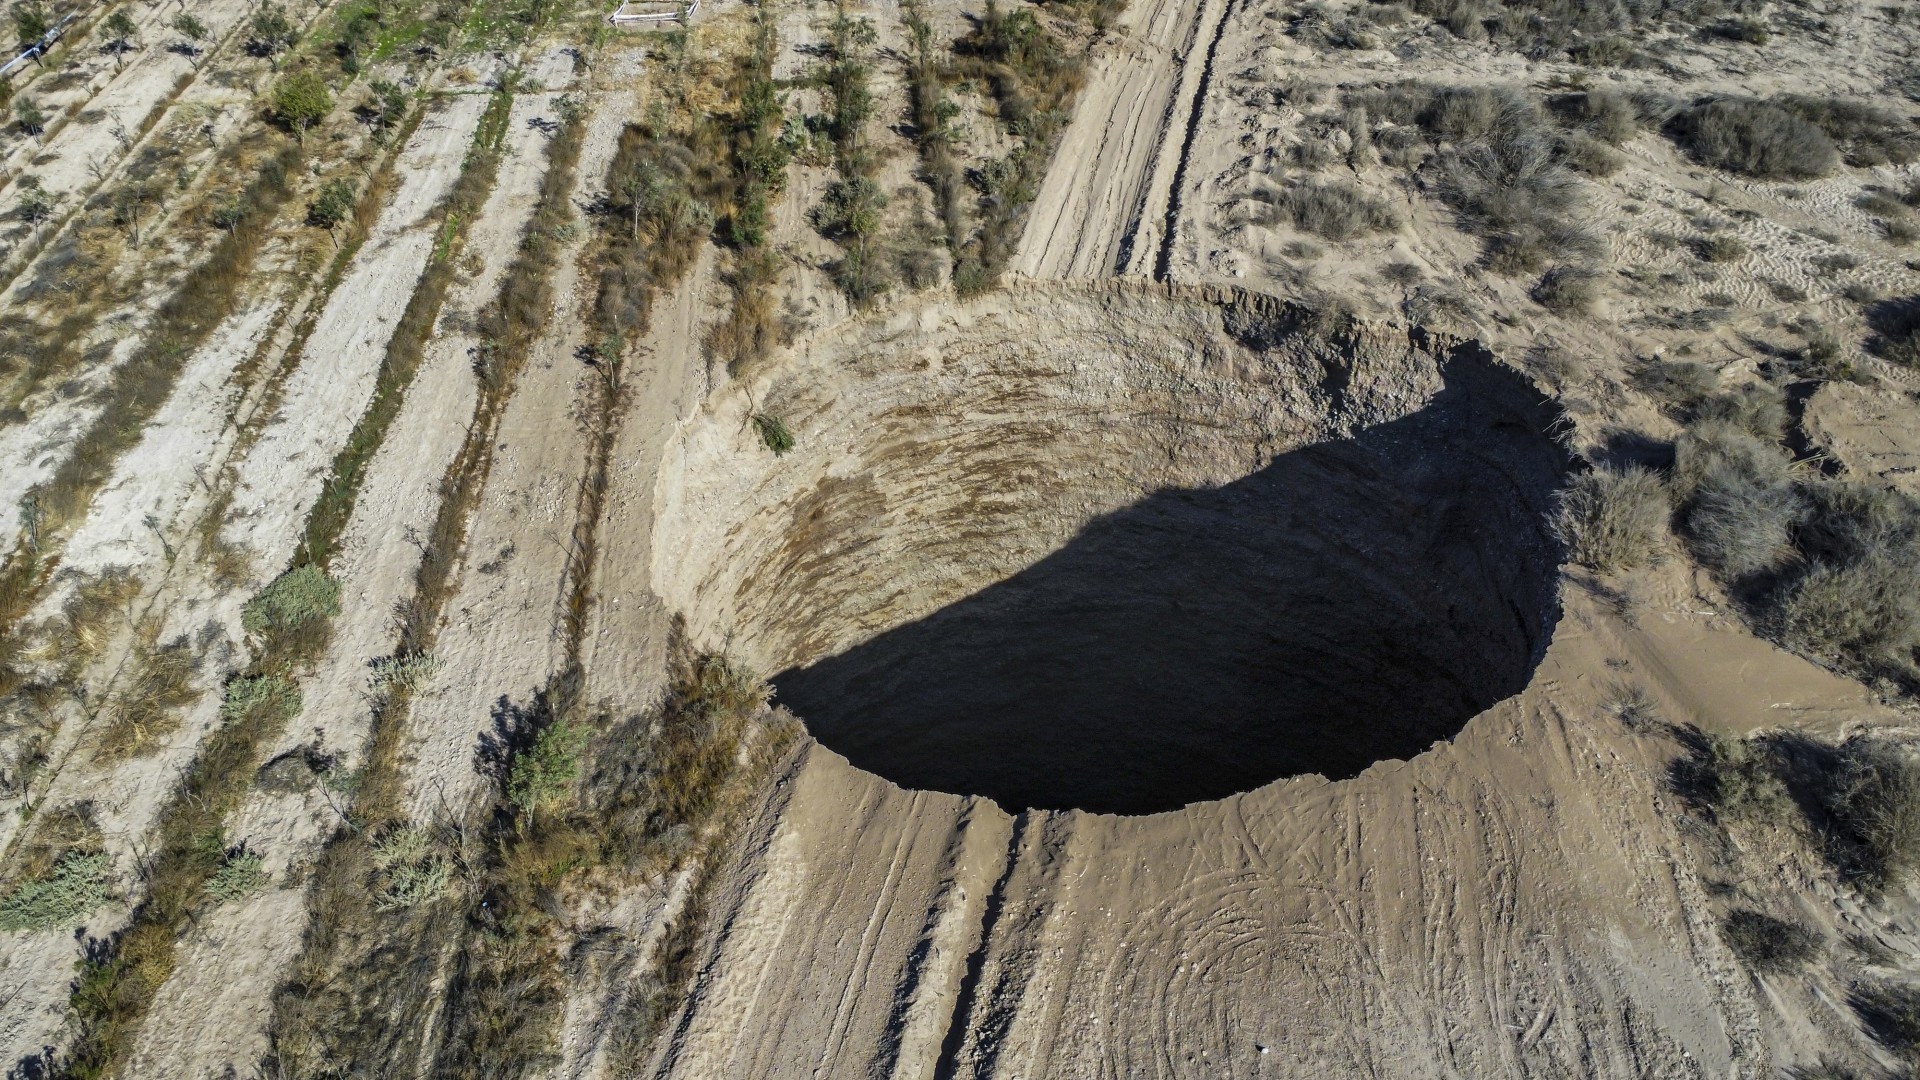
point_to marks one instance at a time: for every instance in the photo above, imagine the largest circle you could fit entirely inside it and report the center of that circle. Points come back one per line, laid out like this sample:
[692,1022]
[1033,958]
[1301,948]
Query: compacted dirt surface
[1176,539]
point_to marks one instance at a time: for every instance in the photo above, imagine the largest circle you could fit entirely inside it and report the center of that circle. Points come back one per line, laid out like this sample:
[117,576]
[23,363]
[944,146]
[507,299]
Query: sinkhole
[1124,550]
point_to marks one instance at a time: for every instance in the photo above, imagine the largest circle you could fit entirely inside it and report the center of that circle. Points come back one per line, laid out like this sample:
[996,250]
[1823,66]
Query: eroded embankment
[1123,548]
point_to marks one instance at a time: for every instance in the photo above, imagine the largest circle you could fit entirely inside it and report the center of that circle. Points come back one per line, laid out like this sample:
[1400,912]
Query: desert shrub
[1568,290]
[295,598]
[1872,798]
[1744,30]
[1610,115]
[1755,138]
[1896,327]
[1634,708]
[333,205]
[410,869]
[239,876]
[1739,504]
[1824,1068]
[260,699]
[1679,386]
[1767,944]
[1855,553]
[1859,292]
[1317,25]
[1405,275]
[920,267]
[1613,519]
[1586,154]
[1507,177]
[1891,1011]
[295,609]
[78,884]
[1721,248]
[1736,778]
[1865,134]
[542,773]
[408,673]
[1335,209]
[850,209]
[1759,409]
[773,433]
[1862,615]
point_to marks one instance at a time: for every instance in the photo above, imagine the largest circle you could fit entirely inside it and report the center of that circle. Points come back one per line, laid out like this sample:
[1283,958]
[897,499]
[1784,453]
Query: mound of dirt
[1121,549]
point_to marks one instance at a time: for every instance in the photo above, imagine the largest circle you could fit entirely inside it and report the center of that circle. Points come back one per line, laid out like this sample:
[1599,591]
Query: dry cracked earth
[1082,539]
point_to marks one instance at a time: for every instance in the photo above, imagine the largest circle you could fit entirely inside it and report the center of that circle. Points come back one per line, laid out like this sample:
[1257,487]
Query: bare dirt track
[1107,214]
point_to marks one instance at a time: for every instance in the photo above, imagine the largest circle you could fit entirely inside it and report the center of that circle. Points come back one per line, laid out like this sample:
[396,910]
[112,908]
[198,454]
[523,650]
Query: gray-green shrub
[1738,498]
[1613,520]
[1755,138]
[1334,209]
[239,876]
[267,699]
[78,884]
[293,601]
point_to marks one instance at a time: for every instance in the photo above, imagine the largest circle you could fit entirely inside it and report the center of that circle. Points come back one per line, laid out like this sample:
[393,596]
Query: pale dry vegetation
[1613,520]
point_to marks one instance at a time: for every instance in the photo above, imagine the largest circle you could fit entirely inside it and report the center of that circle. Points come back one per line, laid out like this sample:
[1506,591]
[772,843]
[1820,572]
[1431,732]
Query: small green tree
[121,31]
[334,205]
[230,212]
[33,120]
[302,100]
[269,33]
[36,202]
[357,39]
[388,107]
[31,22]
[192,32]
[774,433]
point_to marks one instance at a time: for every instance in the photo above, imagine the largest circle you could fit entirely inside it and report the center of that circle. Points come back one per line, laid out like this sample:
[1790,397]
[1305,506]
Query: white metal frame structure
[642,12]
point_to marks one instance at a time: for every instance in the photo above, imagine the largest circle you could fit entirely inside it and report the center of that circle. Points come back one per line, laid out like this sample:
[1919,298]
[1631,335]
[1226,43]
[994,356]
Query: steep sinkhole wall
[1121,548]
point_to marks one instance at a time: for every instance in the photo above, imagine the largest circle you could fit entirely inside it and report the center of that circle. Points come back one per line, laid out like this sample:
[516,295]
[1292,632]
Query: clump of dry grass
[146,708]
[1568,290]
[1613,520]
[1334,209]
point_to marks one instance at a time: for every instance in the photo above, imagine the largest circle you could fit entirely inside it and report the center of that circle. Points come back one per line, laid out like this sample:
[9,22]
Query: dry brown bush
[1613,520]
[1334,209]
